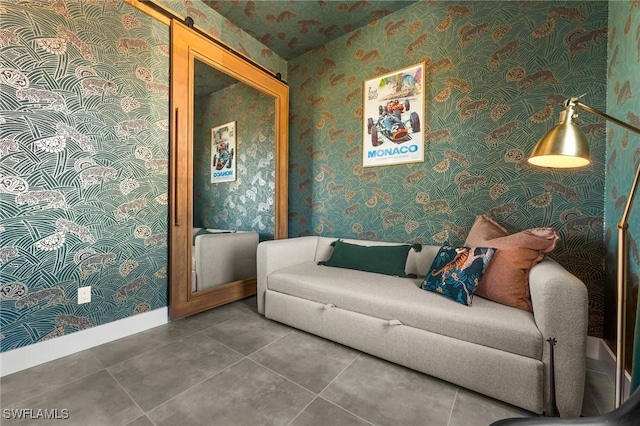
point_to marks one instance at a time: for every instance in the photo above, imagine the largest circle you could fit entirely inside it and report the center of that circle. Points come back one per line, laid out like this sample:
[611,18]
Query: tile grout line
[130,397]
[201,332]
[588,389]
[342,408]
[280,375]
[106,367]
[147,417]
[221,322]
[317,395]
[302,411]
[336,378]
[151,349]
[455,399]
[292,330]
[208,377]
[63,384]
[271,343]
[196,384]
[602,373]
[168,344]
[226,346]
[340,374]
[173,340]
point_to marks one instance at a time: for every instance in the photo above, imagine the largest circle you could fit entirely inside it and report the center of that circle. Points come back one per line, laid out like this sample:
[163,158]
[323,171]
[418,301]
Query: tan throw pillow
[506,279]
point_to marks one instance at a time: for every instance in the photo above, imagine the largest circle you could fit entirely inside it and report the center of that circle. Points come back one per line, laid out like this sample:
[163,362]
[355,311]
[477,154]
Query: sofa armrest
[277,254]
[560,307]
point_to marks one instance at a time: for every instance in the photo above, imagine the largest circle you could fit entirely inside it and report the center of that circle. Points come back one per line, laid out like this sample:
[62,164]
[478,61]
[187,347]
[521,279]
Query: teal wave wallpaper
[247,203]
[623,154]
[84,133]
[293,27]
[213,23]
[83,146]
[497,74]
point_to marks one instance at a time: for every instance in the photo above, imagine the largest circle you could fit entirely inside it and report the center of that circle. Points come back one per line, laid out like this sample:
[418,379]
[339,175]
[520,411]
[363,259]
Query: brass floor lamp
[565,146]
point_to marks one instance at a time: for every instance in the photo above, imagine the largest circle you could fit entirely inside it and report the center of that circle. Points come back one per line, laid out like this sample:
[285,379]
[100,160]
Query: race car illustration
[223,157]
[390,125]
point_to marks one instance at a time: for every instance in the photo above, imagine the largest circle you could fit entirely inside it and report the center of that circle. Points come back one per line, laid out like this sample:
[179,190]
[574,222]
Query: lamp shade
[564,146]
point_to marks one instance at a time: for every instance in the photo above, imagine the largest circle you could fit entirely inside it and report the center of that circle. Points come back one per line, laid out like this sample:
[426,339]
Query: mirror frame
[186,46]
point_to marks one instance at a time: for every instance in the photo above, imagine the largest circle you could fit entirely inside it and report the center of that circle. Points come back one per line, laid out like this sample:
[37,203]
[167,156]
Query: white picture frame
[393,117]
[223,153]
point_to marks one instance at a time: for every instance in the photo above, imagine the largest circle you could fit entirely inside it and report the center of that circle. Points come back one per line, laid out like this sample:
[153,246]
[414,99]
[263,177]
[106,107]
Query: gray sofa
[489,348]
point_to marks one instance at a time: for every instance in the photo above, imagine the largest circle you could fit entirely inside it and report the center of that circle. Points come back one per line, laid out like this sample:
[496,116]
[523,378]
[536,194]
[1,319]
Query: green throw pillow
[388,260]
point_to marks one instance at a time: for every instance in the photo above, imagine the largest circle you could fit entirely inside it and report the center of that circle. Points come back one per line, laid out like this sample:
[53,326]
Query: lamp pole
[623,260]
[556,148]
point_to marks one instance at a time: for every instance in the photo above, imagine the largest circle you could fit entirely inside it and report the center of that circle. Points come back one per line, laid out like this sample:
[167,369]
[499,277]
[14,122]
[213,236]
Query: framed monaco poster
[223,153]
[393,116]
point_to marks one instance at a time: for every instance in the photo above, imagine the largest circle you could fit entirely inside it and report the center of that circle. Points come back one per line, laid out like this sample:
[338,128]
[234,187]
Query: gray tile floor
[231,366]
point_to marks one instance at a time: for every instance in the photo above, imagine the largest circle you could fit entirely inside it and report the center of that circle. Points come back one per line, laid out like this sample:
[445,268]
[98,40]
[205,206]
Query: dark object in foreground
[628,414]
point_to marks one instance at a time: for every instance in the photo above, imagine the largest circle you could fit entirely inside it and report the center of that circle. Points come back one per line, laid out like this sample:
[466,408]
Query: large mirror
[233,155]
[228,160]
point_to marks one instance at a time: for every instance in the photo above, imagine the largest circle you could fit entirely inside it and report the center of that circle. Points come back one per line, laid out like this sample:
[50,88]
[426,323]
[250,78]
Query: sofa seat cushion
[392,298]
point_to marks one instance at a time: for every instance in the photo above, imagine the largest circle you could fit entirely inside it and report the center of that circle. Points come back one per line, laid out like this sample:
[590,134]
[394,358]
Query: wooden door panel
[186,47]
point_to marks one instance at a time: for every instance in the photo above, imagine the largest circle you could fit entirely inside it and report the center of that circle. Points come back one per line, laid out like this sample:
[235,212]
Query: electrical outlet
[84,295]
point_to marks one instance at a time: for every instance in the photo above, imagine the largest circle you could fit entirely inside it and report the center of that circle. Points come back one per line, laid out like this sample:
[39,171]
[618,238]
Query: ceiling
[293,27]
[208,80]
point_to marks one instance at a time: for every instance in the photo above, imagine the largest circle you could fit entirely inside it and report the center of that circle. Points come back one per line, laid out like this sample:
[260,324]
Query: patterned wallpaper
[623,152]
[497,74]
[247,203]
[83,162]
[210,21]
[83,147]
[292,27]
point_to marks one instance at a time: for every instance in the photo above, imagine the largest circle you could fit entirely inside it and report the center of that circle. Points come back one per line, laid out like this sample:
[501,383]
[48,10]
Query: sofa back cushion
[388,260]
[506,279]
[417,262]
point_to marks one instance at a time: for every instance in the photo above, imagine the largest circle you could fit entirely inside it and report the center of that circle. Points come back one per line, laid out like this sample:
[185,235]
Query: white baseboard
[593,347]
[597,349]
[39,353]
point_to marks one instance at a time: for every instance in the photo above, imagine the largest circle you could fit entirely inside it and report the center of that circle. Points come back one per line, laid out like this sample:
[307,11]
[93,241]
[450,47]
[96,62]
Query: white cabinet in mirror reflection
[222,256]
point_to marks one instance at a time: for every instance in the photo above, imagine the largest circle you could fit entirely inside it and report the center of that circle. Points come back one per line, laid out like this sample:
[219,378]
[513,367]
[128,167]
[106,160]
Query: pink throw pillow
[506,279]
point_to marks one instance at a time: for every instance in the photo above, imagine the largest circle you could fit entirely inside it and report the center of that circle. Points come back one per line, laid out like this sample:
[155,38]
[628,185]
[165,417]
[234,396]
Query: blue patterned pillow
[456,272]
